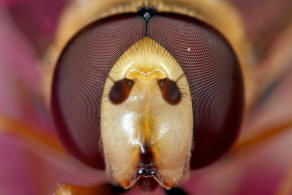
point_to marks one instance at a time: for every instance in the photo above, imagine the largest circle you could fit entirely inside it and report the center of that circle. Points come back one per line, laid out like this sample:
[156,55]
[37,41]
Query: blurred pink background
[259,163]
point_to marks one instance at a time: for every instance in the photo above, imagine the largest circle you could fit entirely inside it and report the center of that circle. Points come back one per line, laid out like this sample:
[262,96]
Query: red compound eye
[215,80]
[209,62]
[79,80]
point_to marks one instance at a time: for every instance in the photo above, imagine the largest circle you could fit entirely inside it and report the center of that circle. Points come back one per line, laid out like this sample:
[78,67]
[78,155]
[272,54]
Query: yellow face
[147,129]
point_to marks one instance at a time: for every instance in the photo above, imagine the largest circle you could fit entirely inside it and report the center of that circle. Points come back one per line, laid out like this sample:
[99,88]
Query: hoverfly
[134,91]
[148,90]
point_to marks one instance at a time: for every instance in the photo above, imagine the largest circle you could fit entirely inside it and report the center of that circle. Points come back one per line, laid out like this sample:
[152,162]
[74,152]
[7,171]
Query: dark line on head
[146,14]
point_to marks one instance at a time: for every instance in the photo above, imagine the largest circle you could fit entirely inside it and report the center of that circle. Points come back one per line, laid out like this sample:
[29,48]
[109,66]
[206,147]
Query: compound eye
[170,91]
[79,80]
[120,91]
[214,77]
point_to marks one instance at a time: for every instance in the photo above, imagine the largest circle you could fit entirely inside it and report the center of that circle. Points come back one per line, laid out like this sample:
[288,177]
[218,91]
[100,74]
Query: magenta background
[27,27]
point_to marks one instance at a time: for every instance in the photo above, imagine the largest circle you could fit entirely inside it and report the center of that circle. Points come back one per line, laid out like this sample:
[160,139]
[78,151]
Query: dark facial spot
[120,90]
[170,91]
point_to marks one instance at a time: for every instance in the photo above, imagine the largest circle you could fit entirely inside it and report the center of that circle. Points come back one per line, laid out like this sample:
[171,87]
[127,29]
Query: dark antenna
[147,13]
